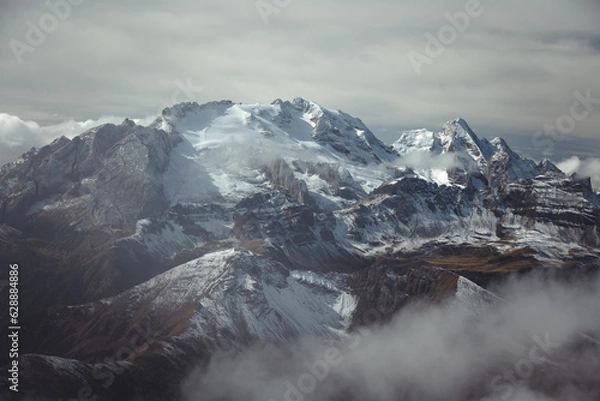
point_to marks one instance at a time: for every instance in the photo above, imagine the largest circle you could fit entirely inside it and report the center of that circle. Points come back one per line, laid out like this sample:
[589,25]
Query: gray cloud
[426,160]
[587,168]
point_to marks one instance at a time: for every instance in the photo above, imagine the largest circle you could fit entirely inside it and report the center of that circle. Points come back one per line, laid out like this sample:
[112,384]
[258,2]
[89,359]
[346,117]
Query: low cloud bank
[425,160]
[536,344]
[588,168]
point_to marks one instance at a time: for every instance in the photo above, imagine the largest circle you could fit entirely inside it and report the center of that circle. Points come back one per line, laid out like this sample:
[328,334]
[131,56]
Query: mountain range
[145,250]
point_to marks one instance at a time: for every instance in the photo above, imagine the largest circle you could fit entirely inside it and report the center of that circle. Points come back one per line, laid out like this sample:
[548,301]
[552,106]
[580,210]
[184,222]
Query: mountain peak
[457,136]
[459,128]
[180,109]
[547,167]
[300,101]
[128,123]
[300,121]
[460,121]
[183,109]
[308,107]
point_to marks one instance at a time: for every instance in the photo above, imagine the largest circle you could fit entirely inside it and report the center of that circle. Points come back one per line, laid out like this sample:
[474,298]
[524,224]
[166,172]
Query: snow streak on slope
[473,297]
[243,296]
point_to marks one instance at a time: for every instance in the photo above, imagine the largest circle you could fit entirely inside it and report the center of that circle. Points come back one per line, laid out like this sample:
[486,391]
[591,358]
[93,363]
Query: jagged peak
[461,121]
[303,103]
[60,140]
[180,110]
[497,141]
[459,127]
[129,123]
[546,166]
[457,136]
[502,146]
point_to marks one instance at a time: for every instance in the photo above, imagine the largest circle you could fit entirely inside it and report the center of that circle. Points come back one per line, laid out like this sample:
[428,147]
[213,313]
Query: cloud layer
[589,167]
[130,58]
[526,348]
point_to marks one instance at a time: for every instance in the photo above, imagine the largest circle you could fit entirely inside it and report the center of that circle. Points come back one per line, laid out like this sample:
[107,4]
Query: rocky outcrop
[107,177]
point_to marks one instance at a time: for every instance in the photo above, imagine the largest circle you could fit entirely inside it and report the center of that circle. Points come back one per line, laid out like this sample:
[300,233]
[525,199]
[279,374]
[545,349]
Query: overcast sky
[514,69]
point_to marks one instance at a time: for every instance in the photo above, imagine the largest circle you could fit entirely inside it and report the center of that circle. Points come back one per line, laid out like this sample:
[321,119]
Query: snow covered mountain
[225,224]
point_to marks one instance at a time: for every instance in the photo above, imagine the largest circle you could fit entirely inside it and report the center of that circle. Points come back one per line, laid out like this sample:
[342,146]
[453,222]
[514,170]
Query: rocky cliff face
[108,177]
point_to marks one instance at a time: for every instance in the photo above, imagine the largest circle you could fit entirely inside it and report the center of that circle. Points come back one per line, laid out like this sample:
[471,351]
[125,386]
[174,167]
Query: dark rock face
[570,205]
[73,199]
[387,287]
[107,177]
[282,177]
[405,208]
[302,232]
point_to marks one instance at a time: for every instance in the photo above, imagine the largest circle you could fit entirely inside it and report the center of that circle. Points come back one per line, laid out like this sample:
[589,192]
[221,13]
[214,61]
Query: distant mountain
[225,224]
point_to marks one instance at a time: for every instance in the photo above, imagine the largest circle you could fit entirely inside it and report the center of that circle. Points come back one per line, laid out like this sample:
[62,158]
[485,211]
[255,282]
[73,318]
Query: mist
[587,168]
[536,342]
[427,160]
